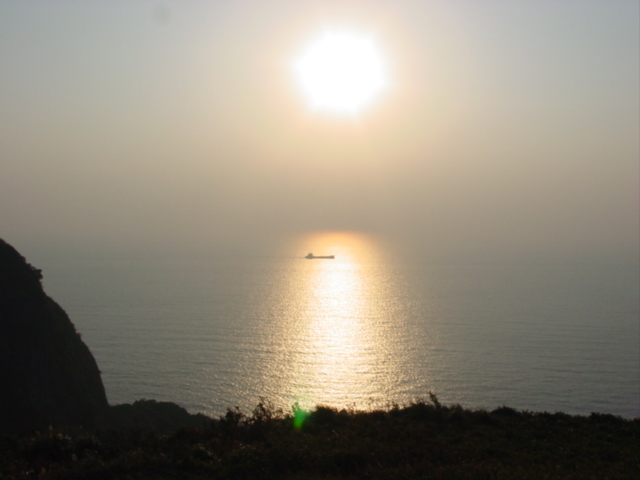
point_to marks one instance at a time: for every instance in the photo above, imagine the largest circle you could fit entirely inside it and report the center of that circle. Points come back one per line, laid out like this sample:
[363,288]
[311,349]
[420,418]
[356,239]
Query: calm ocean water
[359,331]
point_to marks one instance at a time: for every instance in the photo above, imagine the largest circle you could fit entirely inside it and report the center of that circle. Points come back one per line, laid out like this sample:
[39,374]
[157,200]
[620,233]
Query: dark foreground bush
[422,440]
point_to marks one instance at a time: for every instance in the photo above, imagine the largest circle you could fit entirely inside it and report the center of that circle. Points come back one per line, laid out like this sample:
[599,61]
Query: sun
[341,72]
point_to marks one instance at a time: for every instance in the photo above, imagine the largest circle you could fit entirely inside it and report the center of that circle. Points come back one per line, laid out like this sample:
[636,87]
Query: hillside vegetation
[421,440]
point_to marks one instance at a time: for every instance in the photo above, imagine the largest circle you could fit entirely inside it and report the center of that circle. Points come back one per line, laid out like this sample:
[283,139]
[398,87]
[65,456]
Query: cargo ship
[311,256]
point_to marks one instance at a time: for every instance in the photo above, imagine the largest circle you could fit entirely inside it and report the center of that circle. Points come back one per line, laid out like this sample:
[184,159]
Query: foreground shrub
[422,440]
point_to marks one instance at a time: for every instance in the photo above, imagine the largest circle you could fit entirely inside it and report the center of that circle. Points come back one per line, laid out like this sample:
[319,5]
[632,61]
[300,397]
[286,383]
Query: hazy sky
[507,127]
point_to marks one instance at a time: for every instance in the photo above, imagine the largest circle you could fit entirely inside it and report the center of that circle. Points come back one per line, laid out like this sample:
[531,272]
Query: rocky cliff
[48,376]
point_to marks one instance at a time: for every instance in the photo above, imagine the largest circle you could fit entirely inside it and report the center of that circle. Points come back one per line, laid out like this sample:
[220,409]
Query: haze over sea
[366,329]
[167,163]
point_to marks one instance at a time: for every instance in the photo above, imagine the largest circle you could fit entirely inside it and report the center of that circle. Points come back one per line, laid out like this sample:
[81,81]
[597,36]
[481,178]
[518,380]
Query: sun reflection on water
[338,349]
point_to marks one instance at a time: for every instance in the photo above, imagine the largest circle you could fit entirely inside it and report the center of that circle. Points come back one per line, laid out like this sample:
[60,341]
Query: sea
[365,330]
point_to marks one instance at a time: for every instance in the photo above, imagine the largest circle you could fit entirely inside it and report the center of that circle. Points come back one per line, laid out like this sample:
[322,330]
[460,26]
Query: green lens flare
[299,416]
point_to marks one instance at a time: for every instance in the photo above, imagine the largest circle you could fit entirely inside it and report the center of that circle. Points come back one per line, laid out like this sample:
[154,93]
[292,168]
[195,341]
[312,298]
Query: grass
[422,440]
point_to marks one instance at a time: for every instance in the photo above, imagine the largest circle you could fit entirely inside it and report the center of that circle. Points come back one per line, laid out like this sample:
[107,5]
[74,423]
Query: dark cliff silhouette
[48,376]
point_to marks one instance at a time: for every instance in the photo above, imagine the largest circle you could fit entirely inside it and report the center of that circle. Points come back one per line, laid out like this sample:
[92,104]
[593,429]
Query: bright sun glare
[341,72]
